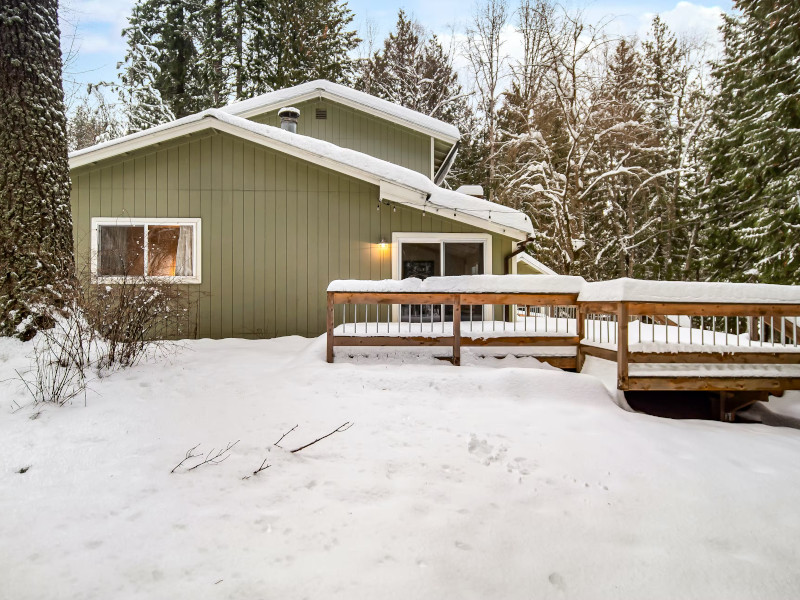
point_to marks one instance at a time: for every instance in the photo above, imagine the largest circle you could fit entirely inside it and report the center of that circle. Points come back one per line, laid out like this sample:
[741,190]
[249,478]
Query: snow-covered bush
[101,328]
[61,355]
[135,318]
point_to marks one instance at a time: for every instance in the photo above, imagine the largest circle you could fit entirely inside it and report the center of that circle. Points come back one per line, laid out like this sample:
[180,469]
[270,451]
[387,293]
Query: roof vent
[322,113]
[289,116]
[471,190]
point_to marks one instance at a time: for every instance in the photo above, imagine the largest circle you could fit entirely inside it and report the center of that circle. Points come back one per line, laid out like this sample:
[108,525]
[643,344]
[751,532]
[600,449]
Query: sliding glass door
[441,257]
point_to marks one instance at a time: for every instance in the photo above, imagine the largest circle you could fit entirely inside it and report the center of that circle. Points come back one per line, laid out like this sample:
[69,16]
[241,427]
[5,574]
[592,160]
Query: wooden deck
[741,350]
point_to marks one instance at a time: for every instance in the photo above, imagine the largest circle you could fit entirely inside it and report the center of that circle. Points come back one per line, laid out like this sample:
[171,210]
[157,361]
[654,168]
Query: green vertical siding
[360,131]
[275,230]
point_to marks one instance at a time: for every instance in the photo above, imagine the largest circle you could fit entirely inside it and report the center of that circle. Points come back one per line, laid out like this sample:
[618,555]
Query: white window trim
[137,221]
[399,238]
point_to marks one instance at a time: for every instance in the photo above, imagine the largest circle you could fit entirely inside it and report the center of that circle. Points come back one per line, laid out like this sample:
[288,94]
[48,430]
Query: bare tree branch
[215,458]
[278,443]
[262,467]
[189,455]
[342,427]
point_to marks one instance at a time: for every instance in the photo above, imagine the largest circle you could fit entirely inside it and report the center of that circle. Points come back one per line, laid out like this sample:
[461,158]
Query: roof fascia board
[322,93]
[415,199]
[140,142]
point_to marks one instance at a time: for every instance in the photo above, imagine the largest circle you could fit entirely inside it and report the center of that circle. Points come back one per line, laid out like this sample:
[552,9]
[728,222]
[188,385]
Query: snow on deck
[498,284]
[637,290]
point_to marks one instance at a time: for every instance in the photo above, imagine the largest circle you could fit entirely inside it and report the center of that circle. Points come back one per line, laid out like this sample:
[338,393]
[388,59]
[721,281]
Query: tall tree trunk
[36,251]
[239,50]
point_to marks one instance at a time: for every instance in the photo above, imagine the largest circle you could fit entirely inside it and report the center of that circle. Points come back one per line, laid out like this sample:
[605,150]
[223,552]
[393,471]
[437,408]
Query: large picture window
[167,249]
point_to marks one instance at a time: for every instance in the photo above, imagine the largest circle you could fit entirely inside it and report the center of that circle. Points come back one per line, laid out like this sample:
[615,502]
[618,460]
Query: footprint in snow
[557,580]
[482,450]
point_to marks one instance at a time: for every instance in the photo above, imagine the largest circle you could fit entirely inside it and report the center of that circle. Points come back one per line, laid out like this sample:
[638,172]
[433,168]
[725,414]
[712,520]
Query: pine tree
[414,70]
[216,36]
[36,249]
[289,43]
[618,206]
[754,147]
[93,121]
[662,64]
[141,100]
[161,77]
[188,55]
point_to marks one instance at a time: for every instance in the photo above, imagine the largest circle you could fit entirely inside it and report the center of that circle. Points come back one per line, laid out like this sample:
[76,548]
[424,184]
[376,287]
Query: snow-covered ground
[498,479]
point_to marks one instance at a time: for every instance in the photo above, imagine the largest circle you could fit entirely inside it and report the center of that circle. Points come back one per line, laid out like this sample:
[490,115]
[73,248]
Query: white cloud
[111,12]
[688,18]
[96,24]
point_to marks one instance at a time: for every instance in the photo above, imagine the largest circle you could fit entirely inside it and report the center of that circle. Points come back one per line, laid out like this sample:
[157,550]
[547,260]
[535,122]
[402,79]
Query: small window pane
[421,260]
[463,258]
[162,248]
[121,250]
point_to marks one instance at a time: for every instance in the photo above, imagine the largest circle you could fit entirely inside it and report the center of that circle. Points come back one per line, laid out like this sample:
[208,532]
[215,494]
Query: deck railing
[662,335]
[456,320]
[672,346]
[459,311]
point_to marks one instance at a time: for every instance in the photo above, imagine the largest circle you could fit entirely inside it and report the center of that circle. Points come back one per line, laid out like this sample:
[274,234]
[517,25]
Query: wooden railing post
[579,334]
[622,346]
[329,352]
[457,329]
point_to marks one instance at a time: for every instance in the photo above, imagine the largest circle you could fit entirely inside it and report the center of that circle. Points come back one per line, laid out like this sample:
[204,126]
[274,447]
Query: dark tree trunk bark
[36,248]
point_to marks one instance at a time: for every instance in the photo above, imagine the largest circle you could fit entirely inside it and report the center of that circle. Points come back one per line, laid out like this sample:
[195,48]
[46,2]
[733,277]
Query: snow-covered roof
[322,88]
[398,184]
[637,290]
[532,262]
[467,284]
[471,190]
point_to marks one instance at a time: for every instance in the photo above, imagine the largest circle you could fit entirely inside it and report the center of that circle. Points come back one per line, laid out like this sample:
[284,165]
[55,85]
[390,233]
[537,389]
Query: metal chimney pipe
[289,116]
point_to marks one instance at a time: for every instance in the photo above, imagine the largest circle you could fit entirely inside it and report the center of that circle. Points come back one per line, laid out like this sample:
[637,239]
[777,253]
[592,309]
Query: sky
[91,29]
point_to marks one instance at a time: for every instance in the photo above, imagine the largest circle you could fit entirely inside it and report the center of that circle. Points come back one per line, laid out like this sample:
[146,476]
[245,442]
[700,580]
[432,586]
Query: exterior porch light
[383,244]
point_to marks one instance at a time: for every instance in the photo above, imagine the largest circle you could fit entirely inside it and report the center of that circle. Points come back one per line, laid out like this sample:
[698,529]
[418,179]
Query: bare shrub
[136,318]
[58,373]
[105,327]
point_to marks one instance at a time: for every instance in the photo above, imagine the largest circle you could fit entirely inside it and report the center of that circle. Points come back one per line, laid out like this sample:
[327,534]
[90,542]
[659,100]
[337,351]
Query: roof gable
[397,184]
[348,97]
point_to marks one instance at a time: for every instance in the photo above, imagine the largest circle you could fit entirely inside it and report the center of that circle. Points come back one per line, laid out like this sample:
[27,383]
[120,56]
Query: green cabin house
[260,204]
